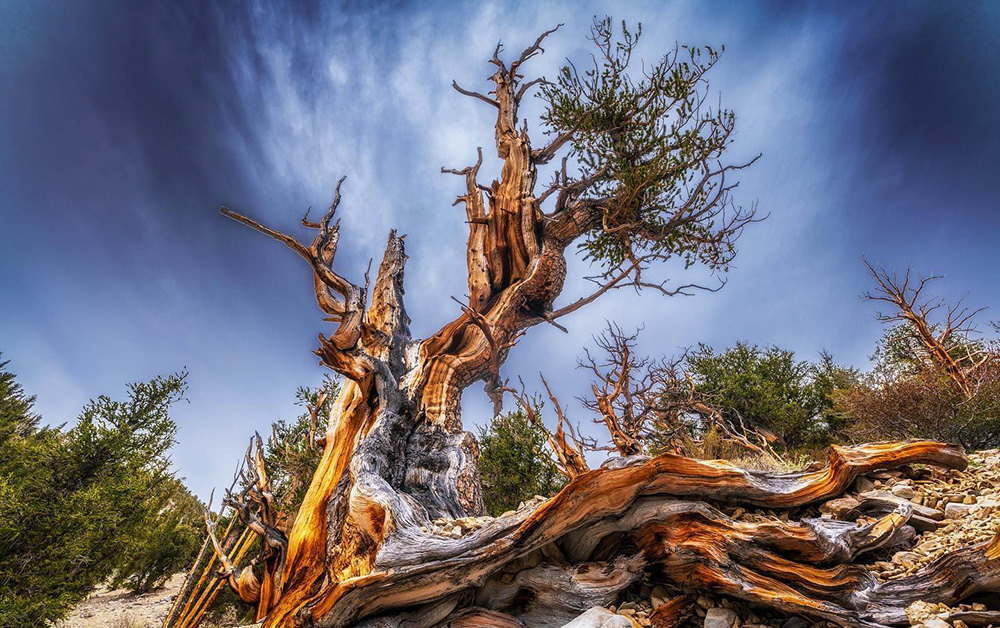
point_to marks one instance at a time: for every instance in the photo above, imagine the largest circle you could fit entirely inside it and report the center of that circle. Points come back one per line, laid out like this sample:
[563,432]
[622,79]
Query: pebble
[840,507]
[863,484]
[796,622]
[903,490]
[718,617]
[602,617]
[954,510]
[659,596]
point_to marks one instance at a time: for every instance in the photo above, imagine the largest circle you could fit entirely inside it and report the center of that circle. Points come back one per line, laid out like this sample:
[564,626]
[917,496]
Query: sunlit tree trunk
[396,455]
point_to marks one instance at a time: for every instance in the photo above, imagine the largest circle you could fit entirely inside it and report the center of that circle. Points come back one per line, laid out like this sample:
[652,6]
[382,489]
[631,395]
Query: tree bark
[638,518]
[396,457]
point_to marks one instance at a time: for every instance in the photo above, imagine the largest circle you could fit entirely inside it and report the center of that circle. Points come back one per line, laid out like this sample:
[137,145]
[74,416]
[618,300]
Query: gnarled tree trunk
[396,457]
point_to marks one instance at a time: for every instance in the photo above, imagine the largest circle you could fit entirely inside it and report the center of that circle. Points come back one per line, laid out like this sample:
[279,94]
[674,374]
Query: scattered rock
[598,617]
[863,484]
[840,507]
[903,490]
[920,611]
[659,596]
[455,528]
[955,510]
[718,617]
[923,524]
[796,622]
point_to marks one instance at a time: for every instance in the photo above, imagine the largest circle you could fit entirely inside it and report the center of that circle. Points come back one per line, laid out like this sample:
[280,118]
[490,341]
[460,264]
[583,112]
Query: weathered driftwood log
[651,187]
[977,618]
[634,519]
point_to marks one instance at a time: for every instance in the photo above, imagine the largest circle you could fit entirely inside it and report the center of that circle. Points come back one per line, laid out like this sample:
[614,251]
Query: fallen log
[634,512]
[977,618]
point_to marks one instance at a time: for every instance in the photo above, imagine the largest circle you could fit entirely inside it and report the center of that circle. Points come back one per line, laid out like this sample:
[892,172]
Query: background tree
[922,405]
[932,377]
[765,387]
[624,387]
[827,380]
[566,443]
[514,465]
[164,542]
[294,448]
[76,501]
[920,341]
[746,399]
[16,418]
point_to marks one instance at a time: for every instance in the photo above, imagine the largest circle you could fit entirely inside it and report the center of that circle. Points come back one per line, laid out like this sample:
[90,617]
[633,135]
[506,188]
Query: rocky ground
[951,509]
[120,608]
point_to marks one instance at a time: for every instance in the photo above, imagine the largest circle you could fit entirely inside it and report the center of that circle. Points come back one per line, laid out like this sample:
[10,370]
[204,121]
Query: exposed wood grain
[395,454]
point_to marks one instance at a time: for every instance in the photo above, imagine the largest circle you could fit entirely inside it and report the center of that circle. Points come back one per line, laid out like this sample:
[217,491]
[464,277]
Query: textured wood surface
[396,455]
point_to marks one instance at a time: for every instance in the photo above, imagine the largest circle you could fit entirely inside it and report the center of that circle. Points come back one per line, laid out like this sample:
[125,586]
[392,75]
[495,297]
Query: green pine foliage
[827,380]
[16,417]
[514,465]
[73,500]
[289,457]
[645,135]
[770,388]
[165,542]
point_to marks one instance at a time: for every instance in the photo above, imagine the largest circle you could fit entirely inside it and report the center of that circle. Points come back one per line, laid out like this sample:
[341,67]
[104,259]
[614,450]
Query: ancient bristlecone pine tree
[640,182]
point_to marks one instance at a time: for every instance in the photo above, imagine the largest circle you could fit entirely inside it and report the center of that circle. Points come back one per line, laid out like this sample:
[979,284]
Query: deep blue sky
[124,125]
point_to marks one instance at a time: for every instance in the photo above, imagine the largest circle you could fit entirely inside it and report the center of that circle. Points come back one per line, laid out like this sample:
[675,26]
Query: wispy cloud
[125,127]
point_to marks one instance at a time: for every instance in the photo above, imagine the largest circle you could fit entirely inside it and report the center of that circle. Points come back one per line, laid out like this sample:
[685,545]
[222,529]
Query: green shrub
[908,394]
[513,463]
[768,387]
[73,500]
[922,404]
[164,543]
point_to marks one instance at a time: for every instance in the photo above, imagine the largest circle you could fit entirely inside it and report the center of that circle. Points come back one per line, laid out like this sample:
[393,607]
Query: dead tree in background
[646,406]
[641,181]
[947,344]
[649,405]
[566,443]
[623,387]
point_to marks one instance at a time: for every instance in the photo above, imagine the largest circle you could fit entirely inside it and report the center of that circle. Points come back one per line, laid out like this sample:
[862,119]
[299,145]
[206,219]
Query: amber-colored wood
[674,612]
[395,455]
